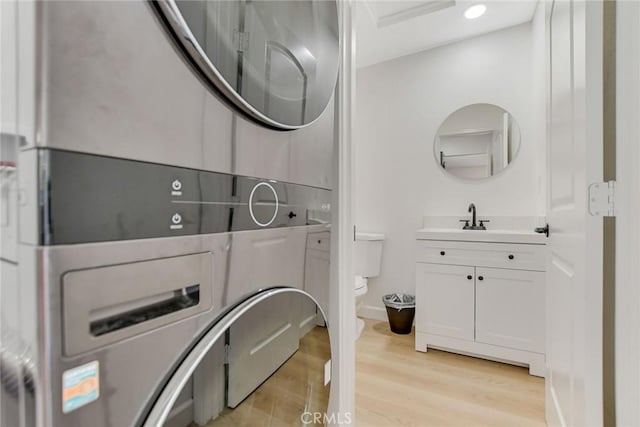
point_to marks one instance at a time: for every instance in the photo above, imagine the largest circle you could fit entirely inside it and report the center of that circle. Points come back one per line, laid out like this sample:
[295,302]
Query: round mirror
[477,141]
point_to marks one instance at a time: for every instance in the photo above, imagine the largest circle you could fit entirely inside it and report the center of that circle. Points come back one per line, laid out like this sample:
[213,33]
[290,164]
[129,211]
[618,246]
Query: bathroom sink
[492,236]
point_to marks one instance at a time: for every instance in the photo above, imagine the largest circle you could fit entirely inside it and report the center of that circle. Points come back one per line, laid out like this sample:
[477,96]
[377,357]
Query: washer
[183,157]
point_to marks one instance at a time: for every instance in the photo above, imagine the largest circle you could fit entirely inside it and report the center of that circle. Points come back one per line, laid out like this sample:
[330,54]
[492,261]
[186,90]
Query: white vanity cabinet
[484,299]
[316,278]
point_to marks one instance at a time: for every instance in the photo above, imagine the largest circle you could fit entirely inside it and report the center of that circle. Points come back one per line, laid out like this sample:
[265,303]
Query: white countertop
[491,236]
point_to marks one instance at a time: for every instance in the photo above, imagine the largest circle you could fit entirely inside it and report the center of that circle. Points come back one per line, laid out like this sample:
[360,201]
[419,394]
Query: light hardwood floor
[397,386]
[297,386]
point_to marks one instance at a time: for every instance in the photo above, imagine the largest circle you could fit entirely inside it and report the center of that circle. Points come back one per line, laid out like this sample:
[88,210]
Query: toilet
[368,257]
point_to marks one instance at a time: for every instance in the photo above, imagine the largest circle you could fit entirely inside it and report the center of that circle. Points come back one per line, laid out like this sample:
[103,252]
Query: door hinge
[226,354]
[241,40]
[602,199]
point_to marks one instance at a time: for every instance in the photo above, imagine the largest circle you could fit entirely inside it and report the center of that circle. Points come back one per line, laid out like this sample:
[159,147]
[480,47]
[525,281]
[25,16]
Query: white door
[574,271]
[516,295]
[445,300]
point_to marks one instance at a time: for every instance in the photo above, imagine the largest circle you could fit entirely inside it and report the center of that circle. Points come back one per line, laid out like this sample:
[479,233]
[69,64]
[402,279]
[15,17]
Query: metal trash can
[401,309]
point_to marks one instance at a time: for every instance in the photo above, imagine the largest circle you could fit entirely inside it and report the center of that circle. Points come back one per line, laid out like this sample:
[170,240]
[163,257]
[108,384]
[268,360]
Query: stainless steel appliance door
[259,364]
[277,60]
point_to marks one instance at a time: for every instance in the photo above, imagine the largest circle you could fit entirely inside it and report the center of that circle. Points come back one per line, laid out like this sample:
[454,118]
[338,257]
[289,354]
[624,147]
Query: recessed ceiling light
[475,11]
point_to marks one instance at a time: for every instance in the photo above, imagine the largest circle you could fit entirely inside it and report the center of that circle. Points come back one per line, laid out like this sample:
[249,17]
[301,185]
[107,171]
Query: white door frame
[627,300]
[341,291]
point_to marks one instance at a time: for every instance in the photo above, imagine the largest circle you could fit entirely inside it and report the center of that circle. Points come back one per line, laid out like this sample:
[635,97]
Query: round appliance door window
[266,362]
[277,60]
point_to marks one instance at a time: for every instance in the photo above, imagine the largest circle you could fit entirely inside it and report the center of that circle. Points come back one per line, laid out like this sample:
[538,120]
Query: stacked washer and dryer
[178,173]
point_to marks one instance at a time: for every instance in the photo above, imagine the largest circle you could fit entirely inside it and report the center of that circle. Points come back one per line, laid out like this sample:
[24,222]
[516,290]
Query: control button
[176,188]
[262,203]
[176,220]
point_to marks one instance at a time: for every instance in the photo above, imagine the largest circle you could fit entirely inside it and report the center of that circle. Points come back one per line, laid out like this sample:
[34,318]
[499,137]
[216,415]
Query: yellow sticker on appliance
[80,386]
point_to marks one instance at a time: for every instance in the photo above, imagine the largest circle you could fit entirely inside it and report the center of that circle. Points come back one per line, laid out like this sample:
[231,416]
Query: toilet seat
[362,290]
[360,286]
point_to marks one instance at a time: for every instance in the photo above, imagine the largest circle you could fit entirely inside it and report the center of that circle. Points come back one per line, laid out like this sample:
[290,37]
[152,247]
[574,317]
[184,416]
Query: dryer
[234,86]
[180,159]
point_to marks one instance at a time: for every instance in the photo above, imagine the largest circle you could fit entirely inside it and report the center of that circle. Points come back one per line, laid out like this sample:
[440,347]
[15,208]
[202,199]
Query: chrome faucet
[474,225]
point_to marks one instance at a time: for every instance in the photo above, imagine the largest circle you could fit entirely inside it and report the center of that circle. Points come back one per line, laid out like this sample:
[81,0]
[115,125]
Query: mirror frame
[474,180]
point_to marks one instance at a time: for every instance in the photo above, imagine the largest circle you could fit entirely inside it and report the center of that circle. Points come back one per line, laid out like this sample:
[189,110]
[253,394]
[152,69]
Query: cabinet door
[316,282]
[510,308]
[445,300]
[259,342]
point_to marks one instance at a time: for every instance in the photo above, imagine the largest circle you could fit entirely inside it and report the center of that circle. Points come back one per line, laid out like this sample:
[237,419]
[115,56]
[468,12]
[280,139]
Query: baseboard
[372,312]
[535,361]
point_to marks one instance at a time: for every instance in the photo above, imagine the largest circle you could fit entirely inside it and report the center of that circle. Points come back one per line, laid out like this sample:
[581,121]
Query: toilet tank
[368,254]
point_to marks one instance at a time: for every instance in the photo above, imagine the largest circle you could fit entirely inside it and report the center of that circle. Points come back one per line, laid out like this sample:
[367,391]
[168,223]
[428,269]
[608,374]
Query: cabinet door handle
[543,230]
[480,277]
[511,257]
[469,277]
[319,242]
[442,253]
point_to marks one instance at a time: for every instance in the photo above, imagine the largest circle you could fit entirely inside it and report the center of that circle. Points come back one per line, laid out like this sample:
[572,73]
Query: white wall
[399,107]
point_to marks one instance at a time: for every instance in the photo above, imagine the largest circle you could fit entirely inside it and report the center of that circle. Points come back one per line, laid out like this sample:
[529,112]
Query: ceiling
[389,29]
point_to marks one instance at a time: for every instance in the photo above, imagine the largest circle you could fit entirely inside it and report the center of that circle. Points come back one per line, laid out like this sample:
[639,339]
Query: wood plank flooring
[397,386]
[297,386]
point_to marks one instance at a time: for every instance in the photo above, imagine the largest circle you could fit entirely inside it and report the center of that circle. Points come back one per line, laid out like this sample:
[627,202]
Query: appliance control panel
[89,198]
